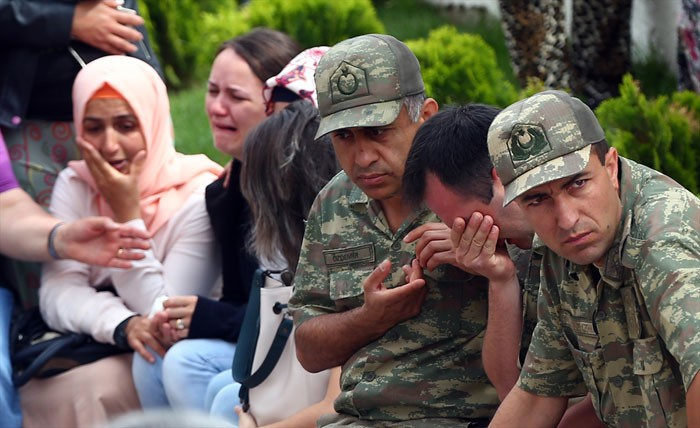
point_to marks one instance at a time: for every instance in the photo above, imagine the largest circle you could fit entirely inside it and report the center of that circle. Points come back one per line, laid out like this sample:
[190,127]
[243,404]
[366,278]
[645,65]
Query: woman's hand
[175,319]
[101,241]
[138,335]
[245,419]
[120,190]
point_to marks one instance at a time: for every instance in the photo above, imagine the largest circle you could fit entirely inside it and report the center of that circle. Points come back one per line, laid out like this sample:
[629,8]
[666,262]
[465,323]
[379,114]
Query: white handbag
[274,385]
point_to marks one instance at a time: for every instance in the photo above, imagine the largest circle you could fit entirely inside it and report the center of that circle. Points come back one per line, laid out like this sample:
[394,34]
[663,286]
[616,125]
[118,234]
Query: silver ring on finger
[179,324]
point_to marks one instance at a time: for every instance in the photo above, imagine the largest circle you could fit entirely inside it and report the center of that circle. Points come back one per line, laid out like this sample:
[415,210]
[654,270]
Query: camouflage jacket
[628,332]
[427,367]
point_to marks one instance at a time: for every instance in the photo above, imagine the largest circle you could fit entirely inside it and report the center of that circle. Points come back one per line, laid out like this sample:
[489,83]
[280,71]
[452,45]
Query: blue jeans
[222,396]
[9,399]
[180,380]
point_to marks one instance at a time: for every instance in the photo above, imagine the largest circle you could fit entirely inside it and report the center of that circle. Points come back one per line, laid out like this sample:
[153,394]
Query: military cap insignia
[348,82]
[527,141]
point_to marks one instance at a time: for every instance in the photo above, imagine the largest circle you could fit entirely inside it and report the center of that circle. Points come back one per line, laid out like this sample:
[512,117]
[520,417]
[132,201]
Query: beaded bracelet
[50,243]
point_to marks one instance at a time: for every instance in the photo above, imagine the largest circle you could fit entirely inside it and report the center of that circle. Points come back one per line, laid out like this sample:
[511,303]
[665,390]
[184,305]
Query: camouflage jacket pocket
[661,389]
[647,357]
[346,286]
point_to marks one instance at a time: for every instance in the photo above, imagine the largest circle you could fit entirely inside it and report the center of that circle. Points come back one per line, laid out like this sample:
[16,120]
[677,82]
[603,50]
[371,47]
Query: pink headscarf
[168,178]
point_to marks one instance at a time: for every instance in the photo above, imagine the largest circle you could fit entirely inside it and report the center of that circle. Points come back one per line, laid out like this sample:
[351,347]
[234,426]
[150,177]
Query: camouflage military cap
[361,82]
[540,139]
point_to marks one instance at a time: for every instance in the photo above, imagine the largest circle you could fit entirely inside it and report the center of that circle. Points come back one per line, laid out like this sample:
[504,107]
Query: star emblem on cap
[348,82]
[527,141]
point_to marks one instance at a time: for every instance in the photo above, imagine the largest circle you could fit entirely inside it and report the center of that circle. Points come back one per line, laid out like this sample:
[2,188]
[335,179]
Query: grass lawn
[192,133]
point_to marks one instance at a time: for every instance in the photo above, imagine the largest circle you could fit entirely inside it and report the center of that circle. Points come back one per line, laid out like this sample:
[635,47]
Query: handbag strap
[247,342]
[273,355]
[54,346]
[248,336]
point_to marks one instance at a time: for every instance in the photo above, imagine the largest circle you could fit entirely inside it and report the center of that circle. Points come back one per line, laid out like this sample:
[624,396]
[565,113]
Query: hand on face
[476,248]
[120,189]
[433,245]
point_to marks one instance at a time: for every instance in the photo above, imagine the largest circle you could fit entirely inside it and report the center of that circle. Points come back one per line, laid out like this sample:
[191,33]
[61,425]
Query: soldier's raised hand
[389,306]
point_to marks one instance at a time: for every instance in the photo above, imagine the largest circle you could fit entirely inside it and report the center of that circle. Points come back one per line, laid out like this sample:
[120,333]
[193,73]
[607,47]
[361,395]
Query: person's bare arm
[523,408]
[25,227]
[501,346]
[475,244]
[692,402]
[329,340]
[305,418]
[581,415]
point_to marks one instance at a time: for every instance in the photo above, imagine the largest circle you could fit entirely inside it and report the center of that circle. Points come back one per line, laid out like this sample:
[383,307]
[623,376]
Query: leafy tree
[459,68]
[314,22]
[662,133]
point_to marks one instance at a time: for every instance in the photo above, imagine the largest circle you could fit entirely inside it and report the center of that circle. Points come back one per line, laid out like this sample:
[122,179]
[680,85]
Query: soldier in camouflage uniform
[618,307]
[409,342]
[449,168]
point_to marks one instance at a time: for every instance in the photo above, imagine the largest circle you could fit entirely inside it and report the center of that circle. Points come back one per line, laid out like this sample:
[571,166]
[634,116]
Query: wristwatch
[119,335]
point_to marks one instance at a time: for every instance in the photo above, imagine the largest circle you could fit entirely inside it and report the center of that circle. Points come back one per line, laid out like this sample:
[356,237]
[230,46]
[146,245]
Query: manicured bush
[662,133]
[217,27]
[459,68]
[180,37]
[314,22]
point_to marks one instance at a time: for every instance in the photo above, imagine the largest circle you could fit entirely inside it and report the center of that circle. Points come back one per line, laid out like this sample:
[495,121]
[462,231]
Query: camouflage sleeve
[664,245]
[550,369]
[311,295]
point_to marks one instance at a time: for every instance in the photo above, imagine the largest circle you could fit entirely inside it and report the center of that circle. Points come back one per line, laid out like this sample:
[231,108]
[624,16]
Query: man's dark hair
[600,149]
[452,145]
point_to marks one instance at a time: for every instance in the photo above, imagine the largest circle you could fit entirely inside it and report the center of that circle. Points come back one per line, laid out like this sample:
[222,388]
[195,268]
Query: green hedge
[315,22]
[217,27]
[459,68]
[178,35]
[662,133]
[186,33]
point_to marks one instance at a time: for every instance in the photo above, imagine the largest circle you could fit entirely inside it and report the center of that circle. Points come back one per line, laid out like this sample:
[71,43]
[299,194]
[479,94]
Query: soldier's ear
[611,166]
[430,107]
[494,176]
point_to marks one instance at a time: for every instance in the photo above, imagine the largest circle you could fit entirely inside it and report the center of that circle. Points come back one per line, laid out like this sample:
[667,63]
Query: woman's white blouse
[183,260]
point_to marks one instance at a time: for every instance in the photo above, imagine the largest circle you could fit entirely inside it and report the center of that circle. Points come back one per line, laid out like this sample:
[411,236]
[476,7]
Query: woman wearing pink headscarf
[131,173]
